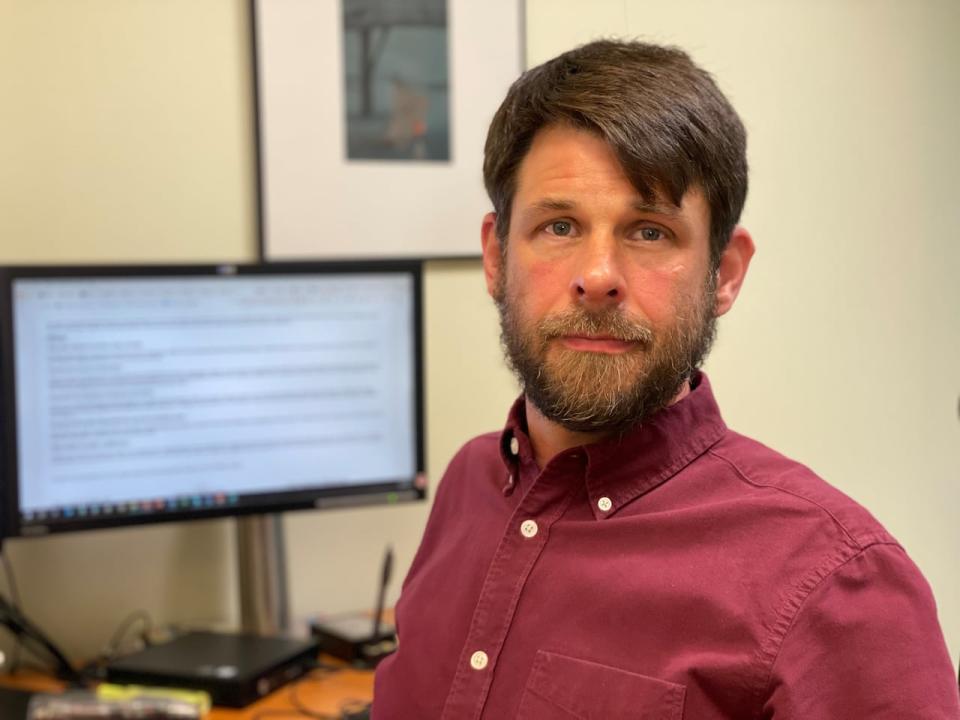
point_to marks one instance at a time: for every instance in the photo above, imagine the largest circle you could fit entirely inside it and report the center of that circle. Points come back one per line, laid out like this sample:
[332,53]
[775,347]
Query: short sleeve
[865,643]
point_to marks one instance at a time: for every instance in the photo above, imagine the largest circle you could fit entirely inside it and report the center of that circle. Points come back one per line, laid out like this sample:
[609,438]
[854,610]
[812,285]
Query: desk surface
[319,693]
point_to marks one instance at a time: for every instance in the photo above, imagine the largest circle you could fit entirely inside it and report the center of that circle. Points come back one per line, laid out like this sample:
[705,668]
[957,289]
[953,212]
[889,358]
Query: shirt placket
[524,538]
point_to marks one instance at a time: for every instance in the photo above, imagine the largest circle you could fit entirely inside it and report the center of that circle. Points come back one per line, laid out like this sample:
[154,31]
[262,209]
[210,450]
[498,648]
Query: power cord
[97,668]
[347,712]
[21,626]
[15,597]
[113,647]
[350,709]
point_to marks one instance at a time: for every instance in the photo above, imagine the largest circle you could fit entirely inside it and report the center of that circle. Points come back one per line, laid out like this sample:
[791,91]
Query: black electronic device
[135,394]
[348,637]
[235,669]
[356,637]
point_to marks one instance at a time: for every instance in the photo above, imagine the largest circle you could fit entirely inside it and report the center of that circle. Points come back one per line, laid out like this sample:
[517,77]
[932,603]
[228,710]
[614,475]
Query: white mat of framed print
[372,116]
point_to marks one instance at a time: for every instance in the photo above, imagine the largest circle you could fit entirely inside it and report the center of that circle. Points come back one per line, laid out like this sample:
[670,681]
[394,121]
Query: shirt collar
[622,468]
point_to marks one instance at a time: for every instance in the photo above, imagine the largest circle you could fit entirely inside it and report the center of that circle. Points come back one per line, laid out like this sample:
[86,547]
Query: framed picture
[371,119]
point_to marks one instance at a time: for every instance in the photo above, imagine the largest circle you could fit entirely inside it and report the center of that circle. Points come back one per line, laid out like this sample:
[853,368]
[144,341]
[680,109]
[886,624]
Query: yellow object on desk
[199,698]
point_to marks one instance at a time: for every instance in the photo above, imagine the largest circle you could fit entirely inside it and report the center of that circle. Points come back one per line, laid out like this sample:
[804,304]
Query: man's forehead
[562,158]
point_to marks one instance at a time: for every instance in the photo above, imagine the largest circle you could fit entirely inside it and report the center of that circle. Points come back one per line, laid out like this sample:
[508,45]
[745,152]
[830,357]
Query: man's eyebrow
[657,208]
[552,204]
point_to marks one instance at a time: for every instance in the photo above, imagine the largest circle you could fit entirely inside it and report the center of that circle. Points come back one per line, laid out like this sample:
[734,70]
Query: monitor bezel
[388,492]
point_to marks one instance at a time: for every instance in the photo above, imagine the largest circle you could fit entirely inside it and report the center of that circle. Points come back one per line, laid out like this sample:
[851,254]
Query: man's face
[606,301]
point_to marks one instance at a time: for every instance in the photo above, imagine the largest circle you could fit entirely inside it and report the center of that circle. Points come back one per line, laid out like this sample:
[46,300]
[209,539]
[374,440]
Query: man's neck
[549,438]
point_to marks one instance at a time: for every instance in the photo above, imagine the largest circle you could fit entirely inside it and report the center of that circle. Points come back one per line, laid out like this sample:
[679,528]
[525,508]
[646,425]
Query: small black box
[351,638]
[235,669]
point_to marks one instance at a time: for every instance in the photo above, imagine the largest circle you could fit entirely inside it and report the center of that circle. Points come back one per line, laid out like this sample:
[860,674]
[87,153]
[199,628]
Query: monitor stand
[262,574]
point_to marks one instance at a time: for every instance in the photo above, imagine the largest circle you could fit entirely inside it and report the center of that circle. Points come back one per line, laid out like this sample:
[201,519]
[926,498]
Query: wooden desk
[319,693]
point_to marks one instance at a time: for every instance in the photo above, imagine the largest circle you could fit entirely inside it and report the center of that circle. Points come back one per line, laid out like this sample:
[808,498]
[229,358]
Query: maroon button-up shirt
[682,571]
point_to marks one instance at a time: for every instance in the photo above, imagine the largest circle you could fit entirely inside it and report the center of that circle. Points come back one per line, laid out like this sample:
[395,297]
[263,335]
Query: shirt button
[479,660]
[604,504]
[514,446]
[528,528]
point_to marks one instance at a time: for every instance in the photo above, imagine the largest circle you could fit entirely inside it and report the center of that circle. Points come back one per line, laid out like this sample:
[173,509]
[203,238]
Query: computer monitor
[139,394]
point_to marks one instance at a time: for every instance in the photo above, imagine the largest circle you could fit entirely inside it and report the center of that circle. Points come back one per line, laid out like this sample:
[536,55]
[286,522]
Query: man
[616,551]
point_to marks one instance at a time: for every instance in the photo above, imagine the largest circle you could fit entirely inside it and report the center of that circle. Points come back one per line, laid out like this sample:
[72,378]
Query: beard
[606,392]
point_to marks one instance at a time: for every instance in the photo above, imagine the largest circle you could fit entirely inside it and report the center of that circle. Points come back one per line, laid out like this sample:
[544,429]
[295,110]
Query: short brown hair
[664,117]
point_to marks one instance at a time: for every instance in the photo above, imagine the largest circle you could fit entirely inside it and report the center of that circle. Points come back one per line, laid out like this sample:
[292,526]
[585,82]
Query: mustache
[611,323]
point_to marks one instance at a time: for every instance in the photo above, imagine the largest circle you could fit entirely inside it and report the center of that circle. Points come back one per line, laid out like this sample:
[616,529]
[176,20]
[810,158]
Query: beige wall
[125,134]
[125,130]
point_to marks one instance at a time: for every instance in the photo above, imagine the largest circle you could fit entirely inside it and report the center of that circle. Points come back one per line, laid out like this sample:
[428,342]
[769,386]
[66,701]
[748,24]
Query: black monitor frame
[319,498]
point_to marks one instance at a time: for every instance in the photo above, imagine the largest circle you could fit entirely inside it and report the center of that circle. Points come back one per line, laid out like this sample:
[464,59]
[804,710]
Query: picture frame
[317,197]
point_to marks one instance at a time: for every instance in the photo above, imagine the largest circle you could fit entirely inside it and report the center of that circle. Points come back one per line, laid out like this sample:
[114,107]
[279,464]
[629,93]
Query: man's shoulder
[482,447]
[479,456]
[769,472]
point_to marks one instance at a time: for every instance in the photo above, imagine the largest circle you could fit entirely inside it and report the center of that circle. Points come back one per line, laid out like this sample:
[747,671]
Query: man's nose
[599,279]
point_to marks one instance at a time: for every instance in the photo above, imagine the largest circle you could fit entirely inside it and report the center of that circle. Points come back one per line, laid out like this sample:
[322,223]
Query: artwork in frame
[371,120]
[396,81]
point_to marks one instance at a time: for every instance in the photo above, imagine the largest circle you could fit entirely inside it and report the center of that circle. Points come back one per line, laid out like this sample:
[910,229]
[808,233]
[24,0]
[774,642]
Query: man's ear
[734,262]
[492,257]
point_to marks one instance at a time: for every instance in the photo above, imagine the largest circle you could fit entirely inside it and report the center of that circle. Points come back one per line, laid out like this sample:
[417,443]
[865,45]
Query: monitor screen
[138,394]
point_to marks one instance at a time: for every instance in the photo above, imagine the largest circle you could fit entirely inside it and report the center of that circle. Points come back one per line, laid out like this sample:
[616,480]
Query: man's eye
[651,234]
[562,228]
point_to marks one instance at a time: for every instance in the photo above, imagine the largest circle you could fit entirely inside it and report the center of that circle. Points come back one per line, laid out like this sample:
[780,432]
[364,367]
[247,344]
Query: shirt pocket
[565,688]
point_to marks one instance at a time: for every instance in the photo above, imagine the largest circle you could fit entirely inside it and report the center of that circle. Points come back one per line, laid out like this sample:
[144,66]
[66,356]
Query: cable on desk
[350,708]
[360,713]
[113,647]
[15,596]
[97,667]
[21,626]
